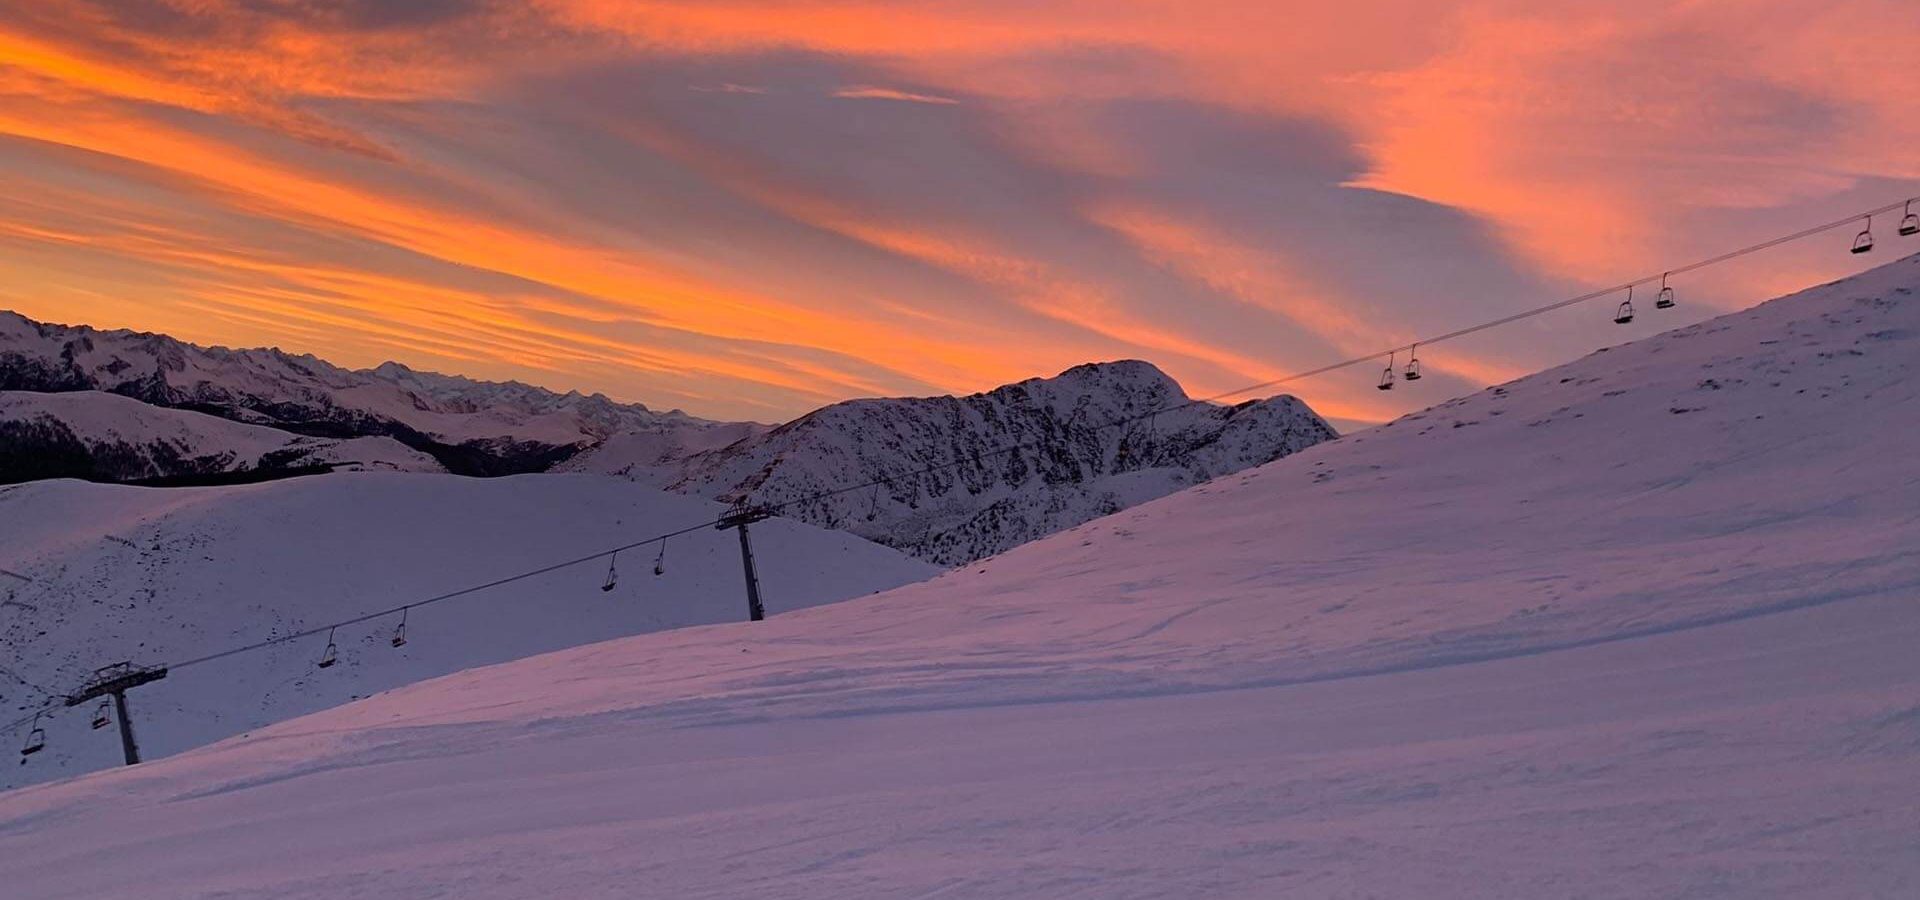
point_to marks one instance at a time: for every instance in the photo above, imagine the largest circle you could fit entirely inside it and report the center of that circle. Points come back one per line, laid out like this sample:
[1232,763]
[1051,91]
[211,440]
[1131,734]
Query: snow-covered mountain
[470,427]
[155,576]
[1638,626]
[107,437]
[1068,466]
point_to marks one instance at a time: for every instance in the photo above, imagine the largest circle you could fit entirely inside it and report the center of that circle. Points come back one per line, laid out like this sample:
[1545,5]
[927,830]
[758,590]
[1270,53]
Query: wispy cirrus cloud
[868,92]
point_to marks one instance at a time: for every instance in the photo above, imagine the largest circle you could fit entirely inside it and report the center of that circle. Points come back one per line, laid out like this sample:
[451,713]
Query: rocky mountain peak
[968,476]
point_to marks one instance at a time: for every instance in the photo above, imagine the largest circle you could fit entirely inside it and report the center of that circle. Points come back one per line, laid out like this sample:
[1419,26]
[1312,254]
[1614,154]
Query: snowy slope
[107,437]
[476,427]
[1071,468]
[1640,626]
[654,456]
[161,575]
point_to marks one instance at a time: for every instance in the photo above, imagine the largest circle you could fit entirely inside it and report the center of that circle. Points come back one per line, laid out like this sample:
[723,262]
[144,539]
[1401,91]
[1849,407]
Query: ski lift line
[47,710]
[450,595]
[1570,301]
[1125,420]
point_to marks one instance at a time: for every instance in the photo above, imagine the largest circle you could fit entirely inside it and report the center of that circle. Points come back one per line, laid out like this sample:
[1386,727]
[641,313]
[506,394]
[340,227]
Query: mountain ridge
[471,427]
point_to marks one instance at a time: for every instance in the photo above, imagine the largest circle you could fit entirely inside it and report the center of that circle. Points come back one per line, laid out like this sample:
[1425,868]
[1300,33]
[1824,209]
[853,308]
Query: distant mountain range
[1008,466]
[98,436]
[468,427]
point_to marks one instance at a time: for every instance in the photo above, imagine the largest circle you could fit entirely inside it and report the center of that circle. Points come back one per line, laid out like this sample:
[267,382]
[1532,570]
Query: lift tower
[739,518]
[116,680]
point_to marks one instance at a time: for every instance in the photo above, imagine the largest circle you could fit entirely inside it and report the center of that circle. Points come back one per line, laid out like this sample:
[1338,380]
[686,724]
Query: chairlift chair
[1386,376]
[1863,241]
[1665,299]
[399,638]
[102,716]
[660,562]
[613,576]
[1910,223]
[1624,314]
[331,655]
[36,740]
[1413,364]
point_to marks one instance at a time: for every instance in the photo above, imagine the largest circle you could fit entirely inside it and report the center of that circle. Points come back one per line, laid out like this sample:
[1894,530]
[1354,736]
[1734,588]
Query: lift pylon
[115,681]
[739,518]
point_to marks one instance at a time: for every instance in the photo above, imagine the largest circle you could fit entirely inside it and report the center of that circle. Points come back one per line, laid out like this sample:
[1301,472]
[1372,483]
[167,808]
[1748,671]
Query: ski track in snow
[1640,626]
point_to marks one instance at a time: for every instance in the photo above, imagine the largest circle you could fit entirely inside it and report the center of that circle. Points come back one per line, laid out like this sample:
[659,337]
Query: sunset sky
[749,209]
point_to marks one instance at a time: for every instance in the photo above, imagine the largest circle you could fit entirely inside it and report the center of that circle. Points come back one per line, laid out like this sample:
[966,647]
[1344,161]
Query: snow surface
[1640,626]
[152,435]
[161,575]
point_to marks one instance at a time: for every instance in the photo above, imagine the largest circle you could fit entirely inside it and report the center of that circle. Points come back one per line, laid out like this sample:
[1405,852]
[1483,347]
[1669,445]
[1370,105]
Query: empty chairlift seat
[1863,242]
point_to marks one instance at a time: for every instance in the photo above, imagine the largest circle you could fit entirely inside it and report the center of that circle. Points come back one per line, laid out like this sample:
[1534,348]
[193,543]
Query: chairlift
[873,502]
[1863,241]
[1386,376]
[1910,224]
[399,638]
[1624,314]
[332,653]
[1413,364]
[613,576]
[1665,298]
[660,562]
[102,715]
[36,740]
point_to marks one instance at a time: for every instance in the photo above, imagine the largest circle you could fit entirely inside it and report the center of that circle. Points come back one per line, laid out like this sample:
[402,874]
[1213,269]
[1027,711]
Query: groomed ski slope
[1641,626]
